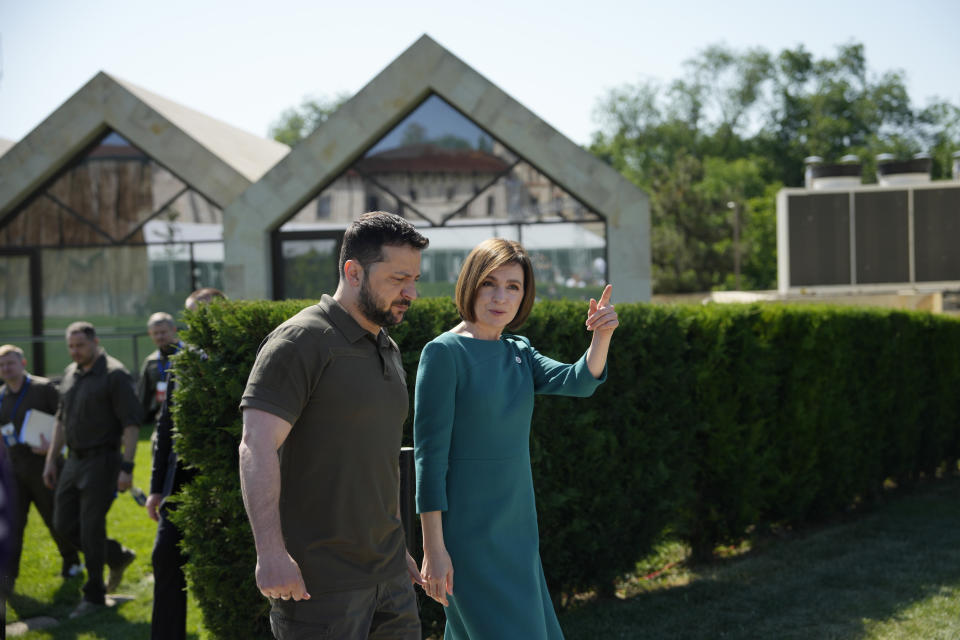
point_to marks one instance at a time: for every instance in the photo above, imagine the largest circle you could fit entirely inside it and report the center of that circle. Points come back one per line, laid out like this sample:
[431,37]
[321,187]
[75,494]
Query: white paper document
[36,422]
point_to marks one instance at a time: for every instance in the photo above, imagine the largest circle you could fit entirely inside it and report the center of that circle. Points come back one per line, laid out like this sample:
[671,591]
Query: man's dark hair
[83,327]
[365,238]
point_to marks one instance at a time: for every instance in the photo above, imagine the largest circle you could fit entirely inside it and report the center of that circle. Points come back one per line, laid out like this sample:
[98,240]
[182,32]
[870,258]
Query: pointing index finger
[605,296]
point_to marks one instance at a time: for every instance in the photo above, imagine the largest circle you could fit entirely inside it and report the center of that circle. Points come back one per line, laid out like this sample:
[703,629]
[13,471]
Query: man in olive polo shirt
[21,394]
[328,392]
[99,408]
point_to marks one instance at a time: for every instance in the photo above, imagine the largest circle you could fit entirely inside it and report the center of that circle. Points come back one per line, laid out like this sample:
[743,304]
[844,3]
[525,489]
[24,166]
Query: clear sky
[245,62]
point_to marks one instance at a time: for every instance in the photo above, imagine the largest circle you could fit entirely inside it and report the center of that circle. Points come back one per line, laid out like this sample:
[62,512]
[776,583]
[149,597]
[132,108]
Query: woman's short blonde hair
[483,260]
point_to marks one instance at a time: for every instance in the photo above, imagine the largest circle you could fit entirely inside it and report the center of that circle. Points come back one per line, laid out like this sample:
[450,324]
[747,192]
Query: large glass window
[449,246]
[117,288]
[14,297]
[120,237]
[461,185]
[106,196]
[309,266]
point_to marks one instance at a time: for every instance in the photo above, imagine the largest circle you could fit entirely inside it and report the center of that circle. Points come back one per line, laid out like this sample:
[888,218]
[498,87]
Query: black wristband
[126,467]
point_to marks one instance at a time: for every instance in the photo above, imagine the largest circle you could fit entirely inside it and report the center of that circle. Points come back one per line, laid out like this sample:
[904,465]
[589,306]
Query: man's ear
[353,271]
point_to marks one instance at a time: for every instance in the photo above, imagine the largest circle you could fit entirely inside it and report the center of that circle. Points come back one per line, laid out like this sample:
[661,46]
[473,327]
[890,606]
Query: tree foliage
[296,123]
[734,129]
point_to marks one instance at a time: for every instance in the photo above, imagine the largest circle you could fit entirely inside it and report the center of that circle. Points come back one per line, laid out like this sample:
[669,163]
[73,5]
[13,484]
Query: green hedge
[713,419]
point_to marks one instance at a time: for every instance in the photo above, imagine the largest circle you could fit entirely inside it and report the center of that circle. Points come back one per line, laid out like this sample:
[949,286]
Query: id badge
[9,434]
[161,391]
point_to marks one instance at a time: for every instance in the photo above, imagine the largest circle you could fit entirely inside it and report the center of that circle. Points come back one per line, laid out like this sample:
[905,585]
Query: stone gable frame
[425,68]
[212,157]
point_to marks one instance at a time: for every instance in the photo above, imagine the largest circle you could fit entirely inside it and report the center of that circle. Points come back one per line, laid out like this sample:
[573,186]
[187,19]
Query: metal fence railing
[123,345]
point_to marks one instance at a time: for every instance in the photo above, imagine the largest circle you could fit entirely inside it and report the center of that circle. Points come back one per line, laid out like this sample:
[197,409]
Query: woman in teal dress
[473,405]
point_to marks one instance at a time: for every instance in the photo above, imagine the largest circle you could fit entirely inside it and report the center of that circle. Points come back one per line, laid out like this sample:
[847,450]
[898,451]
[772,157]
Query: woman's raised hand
[602,318]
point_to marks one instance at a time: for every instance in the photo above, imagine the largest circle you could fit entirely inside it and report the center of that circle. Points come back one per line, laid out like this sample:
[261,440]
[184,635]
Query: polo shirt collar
[340,317]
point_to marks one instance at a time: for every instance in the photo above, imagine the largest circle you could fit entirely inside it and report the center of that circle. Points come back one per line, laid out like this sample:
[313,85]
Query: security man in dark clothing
[20,395]
[169,620]
[99,408]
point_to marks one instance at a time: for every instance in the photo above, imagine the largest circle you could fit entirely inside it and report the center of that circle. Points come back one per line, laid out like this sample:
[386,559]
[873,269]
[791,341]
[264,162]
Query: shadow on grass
[828,583]
[65,598]
[107,623]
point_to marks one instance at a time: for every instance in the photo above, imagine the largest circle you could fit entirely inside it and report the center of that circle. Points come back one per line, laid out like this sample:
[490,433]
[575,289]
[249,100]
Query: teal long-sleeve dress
[473,405]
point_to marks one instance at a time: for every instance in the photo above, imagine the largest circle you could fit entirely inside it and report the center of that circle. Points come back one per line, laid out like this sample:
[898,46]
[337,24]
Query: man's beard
[370,308]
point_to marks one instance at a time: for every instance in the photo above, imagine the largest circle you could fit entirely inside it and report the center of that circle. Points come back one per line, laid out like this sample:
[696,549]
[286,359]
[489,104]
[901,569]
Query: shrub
[712,419]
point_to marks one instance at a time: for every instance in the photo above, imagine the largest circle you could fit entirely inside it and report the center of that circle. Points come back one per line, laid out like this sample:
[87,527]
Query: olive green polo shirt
[345,393]
[97,404]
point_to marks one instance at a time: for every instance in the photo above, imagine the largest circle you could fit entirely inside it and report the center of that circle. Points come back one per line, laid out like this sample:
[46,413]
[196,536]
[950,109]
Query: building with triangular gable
[433,140]
[112,208]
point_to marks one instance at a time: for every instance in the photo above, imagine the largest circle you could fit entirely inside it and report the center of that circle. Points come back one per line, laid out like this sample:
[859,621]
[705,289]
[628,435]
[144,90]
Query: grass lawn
[41,592]
[893,572]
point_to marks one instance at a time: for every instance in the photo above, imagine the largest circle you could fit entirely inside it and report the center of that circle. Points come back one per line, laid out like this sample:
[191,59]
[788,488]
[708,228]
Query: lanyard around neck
[20,396]
[163,364]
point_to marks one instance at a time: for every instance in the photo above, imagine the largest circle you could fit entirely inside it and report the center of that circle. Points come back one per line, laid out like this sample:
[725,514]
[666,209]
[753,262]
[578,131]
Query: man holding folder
[27,400]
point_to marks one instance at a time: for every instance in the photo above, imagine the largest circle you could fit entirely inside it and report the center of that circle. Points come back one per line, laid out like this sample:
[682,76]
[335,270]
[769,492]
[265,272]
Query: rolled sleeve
[434,403]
